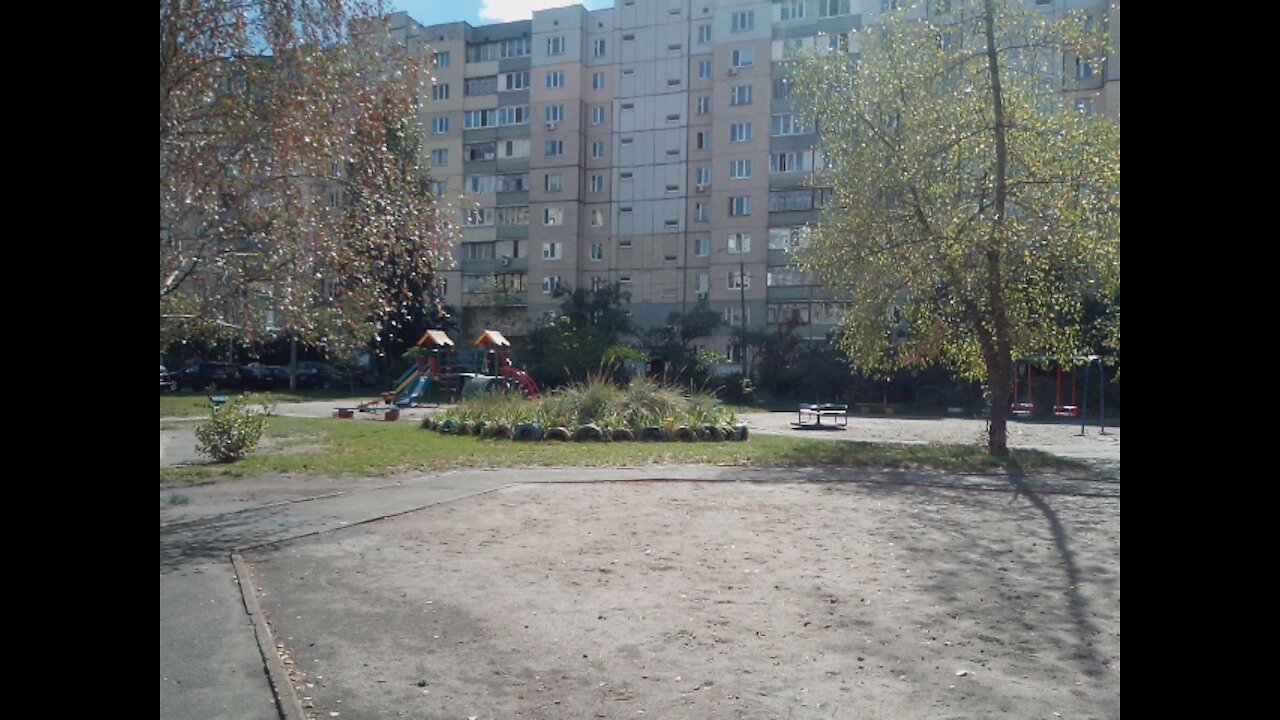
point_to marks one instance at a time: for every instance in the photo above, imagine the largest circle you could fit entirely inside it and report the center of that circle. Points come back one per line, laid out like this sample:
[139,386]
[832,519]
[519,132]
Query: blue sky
[482,12]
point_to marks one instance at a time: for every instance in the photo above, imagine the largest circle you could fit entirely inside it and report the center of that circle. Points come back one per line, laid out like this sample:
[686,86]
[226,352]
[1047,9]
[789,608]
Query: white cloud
[508,10]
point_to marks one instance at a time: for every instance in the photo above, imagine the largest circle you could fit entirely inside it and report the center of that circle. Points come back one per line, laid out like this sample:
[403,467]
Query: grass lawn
[189,404]
[322,446]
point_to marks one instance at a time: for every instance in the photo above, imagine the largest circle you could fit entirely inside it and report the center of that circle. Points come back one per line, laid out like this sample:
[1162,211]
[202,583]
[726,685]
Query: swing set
[1023,368]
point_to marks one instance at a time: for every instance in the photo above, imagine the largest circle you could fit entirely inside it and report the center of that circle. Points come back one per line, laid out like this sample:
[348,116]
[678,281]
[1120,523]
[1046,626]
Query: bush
[231,432]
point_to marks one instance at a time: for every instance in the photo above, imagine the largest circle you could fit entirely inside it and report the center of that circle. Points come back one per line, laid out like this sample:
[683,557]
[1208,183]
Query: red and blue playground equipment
[437,365]
[497,363]
[409,387]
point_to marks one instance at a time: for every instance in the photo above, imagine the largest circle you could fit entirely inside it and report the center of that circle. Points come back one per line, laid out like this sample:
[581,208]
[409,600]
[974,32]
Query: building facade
[652,144]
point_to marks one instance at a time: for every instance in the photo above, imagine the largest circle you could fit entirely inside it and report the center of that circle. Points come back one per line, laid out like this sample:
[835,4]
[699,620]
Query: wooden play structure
[496,362]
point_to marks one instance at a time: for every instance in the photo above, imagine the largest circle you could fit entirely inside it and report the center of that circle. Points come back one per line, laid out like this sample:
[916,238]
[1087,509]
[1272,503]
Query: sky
[483,12]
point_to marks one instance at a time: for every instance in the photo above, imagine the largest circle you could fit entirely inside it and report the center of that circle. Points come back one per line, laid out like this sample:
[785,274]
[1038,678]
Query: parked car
[312,374]
[257,376]
[167,383]
[218,375]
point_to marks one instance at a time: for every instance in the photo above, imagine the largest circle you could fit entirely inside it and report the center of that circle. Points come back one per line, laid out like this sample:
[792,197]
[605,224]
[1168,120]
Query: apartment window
[440,92]
[737,281]
[597,251]
[704,34]
[480,151]
[440,60]
[518,47]
[551,250]
[702,140]
[1084,69]
[624,279]
[629,37]
[515,215]
[550,284]
[554,148]
[597,217]
[792,10]
[478,251]
[599,48]
[482,53]
[480,85]
[704,105]
[740,132]
[702,247]
[598,115]
[555,45]
[791,200]
[674,11]
[480,184]
[673,82]
[552,216]
[786,162]
[832,8]
[672,188]
[514,149]
[440,125]
[627,140]
[744,58]
[597,81]
[438,187]
[675,47]
[555,113]
[887,5]
[704,69]
[673,117]
[743,21]
[704,178]
[335,198]
[701,283]
[788,238]
[440,157]
[782,88]
[597,149]
[518,182]
[740,206]
[740,95]
[597,183]
[555,79]
[516,80]
[739,169]
[553,182]
[624,243]
[479,217]
[702,212]
[788,124]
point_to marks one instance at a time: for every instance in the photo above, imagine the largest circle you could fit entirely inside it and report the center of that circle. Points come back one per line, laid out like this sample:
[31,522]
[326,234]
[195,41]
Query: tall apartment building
[651,144]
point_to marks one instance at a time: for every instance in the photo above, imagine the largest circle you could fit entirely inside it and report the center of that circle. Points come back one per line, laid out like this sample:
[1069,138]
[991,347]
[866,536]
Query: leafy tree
[671,343]
[577,343]
[290,188]
[973,213]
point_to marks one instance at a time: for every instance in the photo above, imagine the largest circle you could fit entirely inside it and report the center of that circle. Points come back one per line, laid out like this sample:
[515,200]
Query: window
[832,8]
[554,148]
[786,162]
[550,284]
[516,80]
[513,148]
[597,217]
[519,47]
[480,85]
[1084,69]
[740,132]
[782,88]
[597,251]
[738,280]
[702,140]
[629,37]
[1084,106]
[704,105]
[627,140]
[673,82]
[675,47]
[672,188]
[440,60]
[743,58]
[704,34]
[701,283]
[482,53]
[555,79]
[551,250]
[743,21]
[791,200]
[598,115]
[597,183]
[740,206]
[624,242]
[739,169]
[739,243]
[740,95]
[788,124]
[440,92]
[516,215]
[673,117]
[792,10]
[628,71]
[518,182]
[479,217]
[552,216]
[440,157]
[478,251]
[555,45]
[704,68]
[438,187]
[440,125]
[704,178]
[335,198]
[788,238]
[597,149]
[597,81]
[555,113]
[480,184]
[702,248]
[553,182]
[599,47]
[702,212]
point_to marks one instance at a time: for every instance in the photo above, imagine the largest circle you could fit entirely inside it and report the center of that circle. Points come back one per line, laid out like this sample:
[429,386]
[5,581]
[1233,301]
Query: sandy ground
[709,600]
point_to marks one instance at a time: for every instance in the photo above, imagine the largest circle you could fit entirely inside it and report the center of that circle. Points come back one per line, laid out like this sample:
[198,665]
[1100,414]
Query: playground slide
[414,393]
[405,379]
[527,385]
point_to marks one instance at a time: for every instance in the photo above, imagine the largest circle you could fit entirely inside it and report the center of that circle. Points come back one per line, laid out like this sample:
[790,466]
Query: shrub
[231,432]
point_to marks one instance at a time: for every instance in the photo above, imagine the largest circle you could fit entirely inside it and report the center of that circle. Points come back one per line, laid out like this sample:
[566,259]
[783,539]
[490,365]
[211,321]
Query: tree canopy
[292,191]
[976,209]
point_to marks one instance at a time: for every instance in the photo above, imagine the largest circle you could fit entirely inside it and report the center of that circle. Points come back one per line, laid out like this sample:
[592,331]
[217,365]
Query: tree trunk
[999,357]
[998,430]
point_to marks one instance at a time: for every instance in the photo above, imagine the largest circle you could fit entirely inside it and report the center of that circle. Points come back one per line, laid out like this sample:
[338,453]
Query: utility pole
[742,293]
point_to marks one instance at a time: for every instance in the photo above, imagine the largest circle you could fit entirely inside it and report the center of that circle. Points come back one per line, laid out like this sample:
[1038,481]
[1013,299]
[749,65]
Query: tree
[577,343]
[281,125]
[973,214]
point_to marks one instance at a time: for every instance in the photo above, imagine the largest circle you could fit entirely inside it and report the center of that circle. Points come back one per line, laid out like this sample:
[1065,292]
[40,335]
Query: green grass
[328,447]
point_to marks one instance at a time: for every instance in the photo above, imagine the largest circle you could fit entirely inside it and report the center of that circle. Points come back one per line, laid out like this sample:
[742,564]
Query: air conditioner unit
[702,295]
[733,71]
[551,124]
[701,187]
[506,261]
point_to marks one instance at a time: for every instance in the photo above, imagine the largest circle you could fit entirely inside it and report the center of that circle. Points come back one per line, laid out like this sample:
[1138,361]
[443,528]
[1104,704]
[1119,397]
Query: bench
[390,412]
[810,415]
